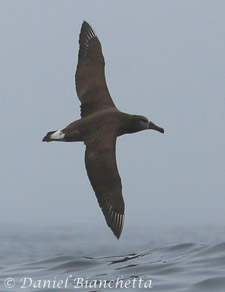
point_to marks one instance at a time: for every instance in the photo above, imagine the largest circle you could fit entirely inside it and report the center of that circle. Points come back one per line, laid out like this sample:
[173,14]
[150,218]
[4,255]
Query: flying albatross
[100,124]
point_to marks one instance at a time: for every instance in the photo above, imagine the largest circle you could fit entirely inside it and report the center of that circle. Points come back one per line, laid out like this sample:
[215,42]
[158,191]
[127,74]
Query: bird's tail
[48,137]
[54,136]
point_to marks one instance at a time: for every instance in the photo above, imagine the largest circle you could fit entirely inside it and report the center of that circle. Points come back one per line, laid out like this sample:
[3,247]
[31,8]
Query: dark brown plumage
[100,125]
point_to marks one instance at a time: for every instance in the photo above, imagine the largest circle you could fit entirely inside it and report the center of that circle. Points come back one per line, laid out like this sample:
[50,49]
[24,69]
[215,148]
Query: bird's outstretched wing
[90,74]
[100,161]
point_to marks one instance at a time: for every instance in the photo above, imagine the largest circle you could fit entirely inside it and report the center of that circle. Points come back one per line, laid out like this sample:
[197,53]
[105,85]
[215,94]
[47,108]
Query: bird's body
[100,125]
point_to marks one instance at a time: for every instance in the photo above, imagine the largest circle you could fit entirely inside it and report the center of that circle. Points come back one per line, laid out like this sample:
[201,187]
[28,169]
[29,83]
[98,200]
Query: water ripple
[182,267]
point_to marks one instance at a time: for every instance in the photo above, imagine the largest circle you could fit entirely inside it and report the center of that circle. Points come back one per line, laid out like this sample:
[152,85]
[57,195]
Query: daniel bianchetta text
[79,282]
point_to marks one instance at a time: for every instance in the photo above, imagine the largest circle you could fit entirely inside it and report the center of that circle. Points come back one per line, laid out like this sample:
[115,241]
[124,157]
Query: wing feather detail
[90,74]
[100,161]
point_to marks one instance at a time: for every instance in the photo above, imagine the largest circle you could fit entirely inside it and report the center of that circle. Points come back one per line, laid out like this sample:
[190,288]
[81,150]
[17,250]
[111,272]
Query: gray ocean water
[81,258]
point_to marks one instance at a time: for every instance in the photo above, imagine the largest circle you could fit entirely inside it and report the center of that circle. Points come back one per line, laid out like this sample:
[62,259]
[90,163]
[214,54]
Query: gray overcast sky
[164,59]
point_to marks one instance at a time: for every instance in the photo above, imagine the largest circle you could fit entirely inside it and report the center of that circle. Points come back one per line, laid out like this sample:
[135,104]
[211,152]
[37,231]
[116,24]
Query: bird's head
[141,123]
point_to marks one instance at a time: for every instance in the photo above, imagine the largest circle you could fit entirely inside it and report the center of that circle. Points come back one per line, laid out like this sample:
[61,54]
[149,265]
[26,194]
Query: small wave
[178,267]
[75,265]
[211,284]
